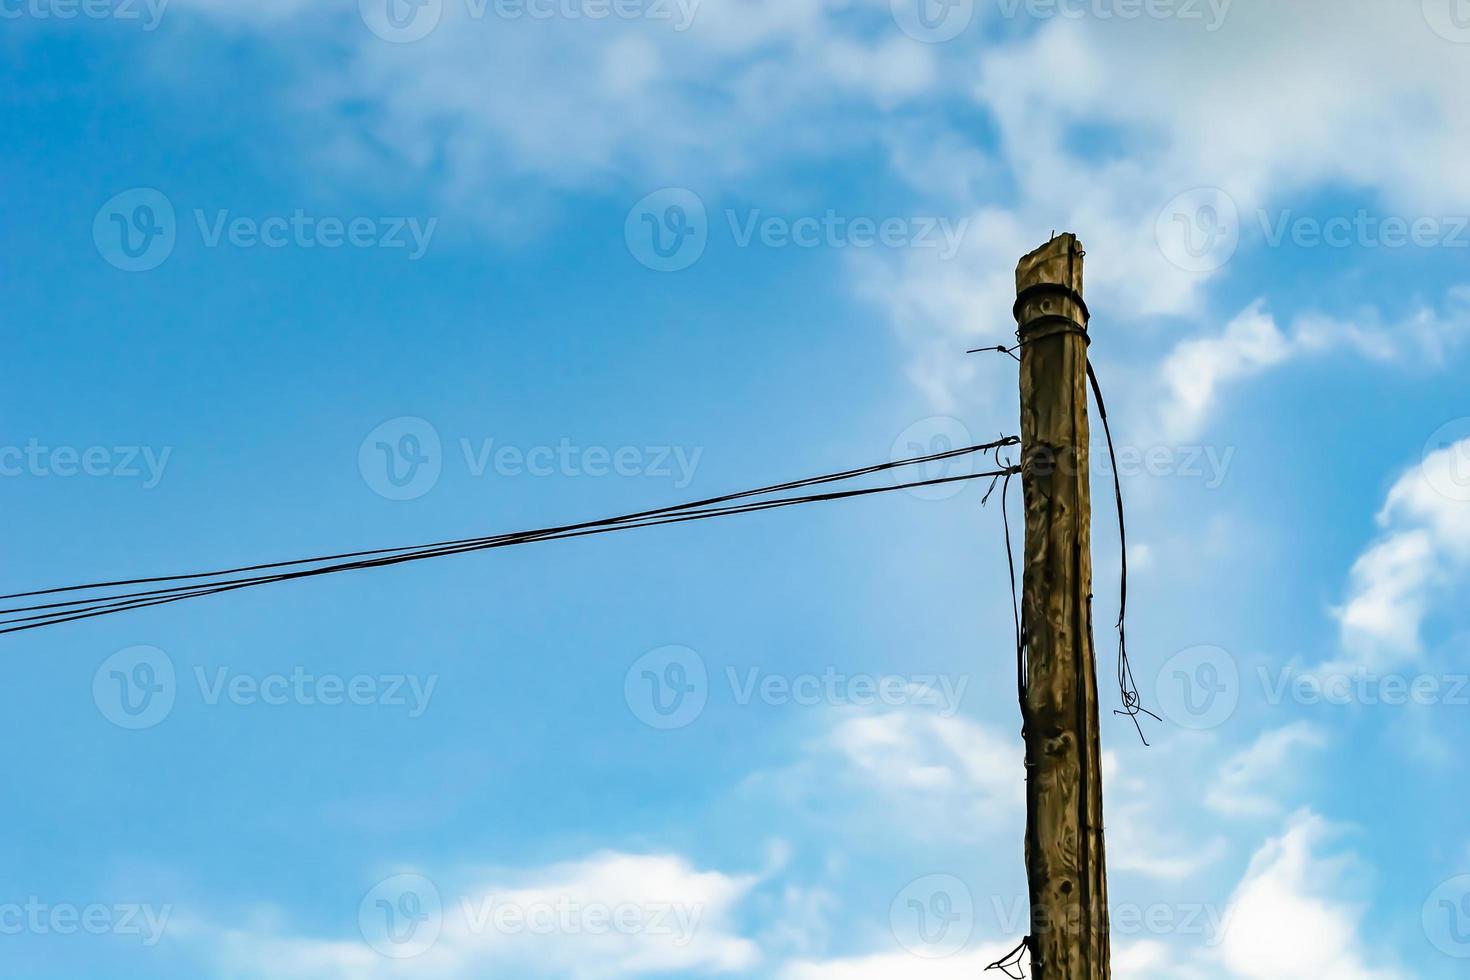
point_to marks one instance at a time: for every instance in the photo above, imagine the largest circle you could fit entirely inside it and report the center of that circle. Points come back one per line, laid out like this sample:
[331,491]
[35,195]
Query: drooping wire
[212,583]
[1127,686]
[1018,619]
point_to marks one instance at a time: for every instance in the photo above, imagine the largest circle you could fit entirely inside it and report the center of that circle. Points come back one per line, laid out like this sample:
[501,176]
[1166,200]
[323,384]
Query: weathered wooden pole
[1065,864]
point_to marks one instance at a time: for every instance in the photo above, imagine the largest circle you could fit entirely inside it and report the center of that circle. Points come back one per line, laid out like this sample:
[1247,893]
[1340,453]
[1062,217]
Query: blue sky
[429,228]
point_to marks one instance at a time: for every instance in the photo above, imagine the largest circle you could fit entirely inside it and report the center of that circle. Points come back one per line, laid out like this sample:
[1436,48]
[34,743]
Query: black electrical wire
[71,610]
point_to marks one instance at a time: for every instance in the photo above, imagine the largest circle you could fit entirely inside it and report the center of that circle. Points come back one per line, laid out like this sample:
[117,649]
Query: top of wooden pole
[1049,285]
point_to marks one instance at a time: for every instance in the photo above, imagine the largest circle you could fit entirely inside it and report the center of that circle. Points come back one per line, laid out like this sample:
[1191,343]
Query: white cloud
[1140,838]
[949,772]
[1424,545]
[1290,917]
[1268,108]
[500,118]
[685,922]
[1251,782]
[1197,371]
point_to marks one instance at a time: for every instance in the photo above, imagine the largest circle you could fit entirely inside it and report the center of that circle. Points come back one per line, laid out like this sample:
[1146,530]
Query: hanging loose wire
[199,584]
[1127,686]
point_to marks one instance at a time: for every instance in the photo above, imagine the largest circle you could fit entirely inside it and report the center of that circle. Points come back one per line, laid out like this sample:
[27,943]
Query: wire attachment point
[1012,961]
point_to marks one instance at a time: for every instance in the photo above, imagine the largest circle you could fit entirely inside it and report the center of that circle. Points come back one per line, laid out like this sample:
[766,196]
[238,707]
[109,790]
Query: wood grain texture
[1065,861]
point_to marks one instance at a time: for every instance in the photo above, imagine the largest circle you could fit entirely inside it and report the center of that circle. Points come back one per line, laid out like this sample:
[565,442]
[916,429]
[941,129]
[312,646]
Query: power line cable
[55,613]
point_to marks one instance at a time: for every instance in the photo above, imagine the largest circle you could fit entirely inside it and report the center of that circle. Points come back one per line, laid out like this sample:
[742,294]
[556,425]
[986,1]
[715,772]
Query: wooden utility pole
[1065,864]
